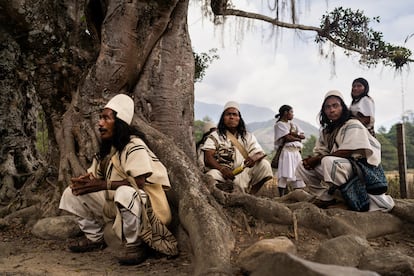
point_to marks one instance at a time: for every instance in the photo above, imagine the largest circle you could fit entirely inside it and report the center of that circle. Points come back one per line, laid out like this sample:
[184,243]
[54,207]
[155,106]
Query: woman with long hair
[362,106]
[289,136]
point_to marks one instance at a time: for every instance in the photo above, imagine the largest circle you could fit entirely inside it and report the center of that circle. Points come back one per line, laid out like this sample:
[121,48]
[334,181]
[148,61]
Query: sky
[258,68]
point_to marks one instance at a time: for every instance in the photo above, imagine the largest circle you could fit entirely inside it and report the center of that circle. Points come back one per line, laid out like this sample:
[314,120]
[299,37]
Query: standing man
[340,139]
[122,150]
[233,156]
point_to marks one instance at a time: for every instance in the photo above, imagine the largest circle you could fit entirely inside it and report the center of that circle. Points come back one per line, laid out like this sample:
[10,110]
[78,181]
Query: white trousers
[295,184]
[332,171]
[337,171]
[249,177]
[89,210]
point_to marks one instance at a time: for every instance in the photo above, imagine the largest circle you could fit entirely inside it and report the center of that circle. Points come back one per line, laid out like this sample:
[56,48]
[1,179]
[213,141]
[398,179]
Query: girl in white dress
[289,136]
[363,106]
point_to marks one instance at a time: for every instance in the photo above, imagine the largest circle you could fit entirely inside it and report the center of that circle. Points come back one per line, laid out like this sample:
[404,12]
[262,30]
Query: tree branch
[391,56]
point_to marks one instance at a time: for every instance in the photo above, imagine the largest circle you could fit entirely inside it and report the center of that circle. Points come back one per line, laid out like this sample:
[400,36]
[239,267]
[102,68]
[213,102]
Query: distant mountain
[258,120]
[264,132]
[250,113]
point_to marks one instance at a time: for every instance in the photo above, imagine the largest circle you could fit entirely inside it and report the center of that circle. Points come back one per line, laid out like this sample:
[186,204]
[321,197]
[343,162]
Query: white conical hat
[334,93]
[232,104]
[124,107]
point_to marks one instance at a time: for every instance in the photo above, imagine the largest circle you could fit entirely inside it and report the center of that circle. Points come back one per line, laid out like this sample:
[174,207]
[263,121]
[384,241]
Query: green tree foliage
[202,61]
[388,140]
[345,28]
[350,30]
[389,145]
[198,127]
[409,143]
[308,146]
[389,154]
[391,136]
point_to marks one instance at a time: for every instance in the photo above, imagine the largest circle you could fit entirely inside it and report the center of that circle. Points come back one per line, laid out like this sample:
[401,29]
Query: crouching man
[122,152]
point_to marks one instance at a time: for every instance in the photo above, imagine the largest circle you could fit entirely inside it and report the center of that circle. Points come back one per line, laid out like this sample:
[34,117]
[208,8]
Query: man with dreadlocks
[233,156]
[341,138]
[122,152]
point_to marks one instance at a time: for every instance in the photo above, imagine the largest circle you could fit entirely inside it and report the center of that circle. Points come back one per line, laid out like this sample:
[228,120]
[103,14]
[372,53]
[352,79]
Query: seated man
[231,147]
[341,138]
[122,151]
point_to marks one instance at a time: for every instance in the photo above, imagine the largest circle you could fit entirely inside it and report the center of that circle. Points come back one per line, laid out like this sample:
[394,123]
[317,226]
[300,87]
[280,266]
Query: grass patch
[394,183]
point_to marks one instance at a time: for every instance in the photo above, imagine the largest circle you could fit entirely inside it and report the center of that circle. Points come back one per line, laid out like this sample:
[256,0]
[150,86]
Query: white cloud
[254,69]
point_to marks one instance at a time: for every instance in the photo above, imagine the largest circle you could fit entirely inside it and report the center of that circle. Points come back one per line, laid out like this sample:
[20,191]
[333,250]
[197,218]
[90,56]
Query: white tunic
[136,159]
[249,176]
[336,170]
[366,107]
[290,156]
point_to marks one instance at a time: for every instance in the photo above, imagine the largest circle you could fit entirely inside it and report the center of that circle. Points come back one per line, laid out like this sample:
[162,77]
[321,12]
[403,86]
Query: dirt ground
[21,253]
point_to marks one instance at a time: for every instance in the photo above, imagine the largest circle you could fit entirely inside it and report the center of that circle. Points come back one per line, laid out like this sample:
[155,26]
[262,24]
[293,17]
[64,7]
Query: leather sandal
[255,188]
[86,245]
[132,255]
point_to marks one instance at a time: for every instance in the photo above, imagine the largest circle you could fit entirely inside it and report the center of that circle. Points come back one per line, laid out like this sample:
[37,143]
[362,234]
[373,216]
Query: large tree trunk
[19,159]
[141,48]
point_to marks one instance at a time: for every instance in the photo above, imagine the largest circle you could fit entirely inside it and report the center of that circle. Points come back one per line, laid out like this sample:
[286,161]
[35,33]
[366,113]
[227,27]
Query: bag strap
[237,144]
[357,170]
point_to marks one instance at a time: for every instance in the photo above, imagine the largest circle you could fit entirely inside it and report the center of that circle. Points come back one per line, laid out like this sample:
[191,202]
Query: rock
[247,258]
[61,227]
[404,209]
[298,195]
[388,262]
[27,216]
[281,263]
[346,250]
[385,223]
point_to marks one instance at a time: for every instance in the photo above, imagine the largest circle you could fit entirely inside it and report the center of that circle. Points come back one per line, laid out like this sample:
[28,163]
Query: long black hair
[122,133]
[241,128]
[364,82]
[329,125]
[284,108]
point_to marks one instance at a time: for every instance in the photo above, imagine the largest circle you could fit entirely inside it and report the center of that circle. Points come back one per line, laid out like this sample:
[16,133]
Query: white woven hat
[231,104]
[124,107]
[334,93]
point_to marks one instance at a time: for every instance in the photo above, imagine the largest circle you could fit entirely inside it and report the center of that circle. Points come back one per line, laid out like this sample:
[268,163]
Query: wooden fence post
[402,160]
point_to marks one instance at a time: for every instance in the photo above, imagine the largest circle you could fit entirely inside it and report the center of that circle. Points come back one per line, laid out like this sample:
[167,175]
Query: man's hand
[86,184]
[227,173]
[311,162]
[252,160]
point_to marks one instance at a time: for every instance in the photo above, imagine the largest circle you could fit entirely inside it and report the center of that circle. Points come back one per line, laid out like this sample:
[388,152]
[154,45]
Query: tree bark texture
[67,60]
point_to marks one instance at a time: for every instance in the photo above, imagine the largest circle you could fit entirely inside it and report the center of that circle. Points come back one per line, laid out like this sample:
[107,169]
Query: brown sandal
[132,255]
[86,245]
[255,188]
